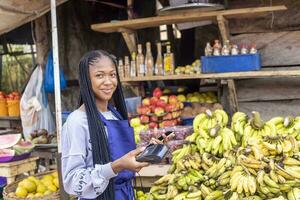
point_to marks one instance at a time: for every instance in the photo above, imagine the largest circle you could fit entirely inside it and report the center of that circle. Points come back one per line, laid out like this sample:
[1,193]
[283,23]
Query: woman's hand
[164,141]
[129,162]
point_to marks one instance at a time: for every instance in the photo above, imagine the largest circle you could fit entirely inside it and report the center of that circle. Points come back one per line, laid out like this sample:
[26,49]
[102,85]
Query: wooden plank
[223,27]
[283,20]
[229,75]
[154,170]
[18,162]
[252,90]
[269,110]
[276,49]
[232,97]
[179,18]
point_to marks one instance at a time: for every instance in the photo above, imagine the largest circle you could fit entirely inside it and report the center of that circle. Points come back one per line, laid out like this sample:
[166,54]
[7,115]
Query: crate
[232,63]
[12,169]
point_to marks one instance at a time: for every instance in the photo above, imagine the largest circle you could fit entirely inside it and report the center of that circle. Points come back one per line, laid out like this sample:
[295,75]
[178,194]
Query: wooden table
[11,123]
[46,153]
[148,175]
[11,170]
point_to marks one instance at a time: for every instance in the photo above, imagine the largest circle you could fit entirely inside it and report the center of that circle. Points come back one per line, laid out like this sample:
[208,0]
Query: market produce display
[160,110]
[13,144]
[251,160]
[33,187]
[197,108]
[194,68]
[42,136]
[199,97]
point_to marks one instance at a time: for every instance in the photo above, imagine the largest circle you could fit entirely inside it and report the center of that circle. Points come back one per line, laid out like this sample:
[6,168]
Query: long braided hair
[100,147]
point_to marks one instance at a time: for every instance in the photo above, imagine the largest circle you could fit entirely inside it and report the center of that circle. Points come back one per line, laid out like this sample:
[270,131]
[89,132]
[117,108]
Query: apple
[139,109]
[165,98]
[146,110]
[173,99]
[153,118]
[157,92]
[181,98]
[152,108]
[159,111]
[135,122]
[161,103]
[170,107]
[153,100]
[167,116]
[144,119]
[153,125]
[146,102]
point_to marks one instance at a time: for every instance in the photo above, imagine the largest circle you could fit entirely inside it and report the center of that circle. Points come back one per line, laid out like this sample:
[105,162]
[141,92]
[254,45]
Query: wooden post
[41,40]
[129,37]
[223,26]
[233,103]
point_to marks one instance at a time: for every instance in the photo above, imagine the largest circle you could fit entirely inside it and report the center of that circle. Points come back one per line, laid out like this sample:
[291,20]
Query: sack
[34,107]
[49,76]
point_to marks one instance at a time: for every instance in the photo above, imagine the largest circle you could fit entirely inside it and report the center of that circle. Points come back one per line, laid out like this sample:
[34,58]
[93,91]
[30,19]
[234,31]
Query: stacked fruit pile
[251,160]
[42,136]
[194,68]
[33,187]
[12,145]
[199,97]
[160,111]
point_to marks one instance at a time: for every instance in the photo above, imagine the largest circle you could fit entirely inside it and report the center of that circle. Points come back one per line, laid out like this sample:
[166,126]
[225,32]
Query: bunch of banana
[287,126]
[255,129]
[210,119]
[250,162]
[268,185]
[294,194]
[275,145]
[238,123]
[218,168]
[187,149]
[189,162]
[242,181]
[216,140]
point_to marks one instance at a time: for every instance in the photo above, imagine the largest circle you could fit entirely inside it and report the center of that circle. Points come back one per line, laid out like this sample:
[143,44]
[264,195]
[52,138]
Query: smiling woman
[98,148]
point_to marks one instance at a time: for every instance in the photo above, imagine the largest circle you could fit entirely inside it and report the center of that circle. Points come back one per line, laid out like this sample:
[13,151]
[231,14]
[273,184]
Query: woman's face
[104,78]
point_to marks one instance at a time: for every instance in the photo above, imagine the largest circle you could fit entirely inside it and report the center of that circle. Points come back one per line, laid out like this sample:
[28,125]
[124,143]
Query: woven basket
[9,190]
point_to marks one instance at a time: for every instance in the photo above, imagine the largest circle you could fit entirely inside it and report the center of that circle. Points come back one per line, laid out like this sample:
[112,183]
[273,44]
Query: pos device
[154,153]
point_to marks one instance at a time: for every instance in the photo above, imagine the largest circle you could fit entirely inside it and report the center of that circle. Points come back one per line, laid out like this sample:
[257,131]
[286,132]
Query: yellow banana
[214,195]
[252,185]
[273,176]
[205,190]
[194,194]
[291,161]
[198,121]
[268,181]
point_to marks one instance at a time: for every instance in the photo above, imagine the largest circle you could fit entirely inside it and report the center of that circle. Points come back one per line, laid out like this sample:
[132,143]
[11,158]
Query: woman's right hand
[129,162]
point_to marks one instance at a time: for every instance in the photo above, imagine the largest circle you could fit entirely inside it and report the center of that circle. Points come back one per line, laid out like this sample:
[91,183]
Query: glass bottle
[149,62]
[234,50]
[133,65]
[253,49]
[140,65]
[159,61]
[217,48]
[244,49]
[121,69]
[126,67]
[208,49]
[168,62]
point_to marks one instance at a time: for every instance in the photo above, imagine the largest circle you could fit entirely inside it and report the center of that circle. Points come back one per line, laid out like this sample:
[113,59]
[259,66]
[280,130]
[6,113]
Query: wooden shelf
[186,16]
[229,75]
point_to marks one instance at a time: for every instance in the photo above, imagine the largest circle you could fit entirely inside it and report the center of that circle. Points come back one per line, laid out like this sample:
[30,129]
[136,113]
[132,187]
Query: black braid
[98,135]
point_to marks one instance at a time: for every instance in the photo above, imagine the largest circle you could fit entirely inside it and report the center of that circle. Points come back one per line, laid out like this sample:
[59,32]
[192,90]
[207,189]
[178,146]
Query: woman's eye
[99,75]
[113,75]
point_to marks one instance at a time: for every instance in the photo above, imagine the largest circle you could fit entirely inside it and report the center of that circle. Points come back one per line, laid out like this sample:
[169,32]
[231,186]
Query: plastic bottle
[121,68]
[126,67]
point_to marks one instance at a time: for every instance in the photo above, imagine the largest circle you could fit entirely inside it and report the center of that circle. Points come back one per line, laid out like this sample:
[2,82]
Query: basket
[11,188]
[3,108]
[13,108]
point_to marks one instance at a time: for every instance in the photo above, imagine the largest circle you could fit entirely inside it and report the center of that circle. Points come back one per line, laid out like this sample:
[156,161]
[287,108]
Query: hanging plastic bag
[35,111]
[49,76]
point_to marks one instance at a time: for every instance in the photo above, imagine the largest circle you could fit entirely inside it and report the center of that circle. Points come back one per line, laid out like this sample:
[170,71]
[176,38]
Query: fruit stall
[215,154]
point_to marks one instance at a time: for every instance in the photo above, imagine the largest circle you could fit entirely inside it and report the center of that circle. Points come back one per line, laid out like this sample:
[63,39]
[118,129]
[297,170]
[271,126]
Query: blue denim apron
[121,141]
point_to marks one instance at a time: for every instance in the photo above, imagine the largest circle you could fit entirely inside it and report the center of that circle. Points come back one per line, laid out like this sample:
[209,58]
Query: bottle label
[142,69]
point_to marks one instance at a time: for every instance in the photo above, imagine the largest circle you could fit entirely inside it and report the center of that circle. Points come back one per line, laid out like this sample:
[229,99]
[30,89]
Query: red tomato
[15,93]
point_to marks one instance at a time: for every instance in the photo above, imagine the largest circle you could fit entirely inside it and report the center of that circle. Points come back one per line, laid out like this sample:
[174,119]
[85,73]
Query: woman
[98,148]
